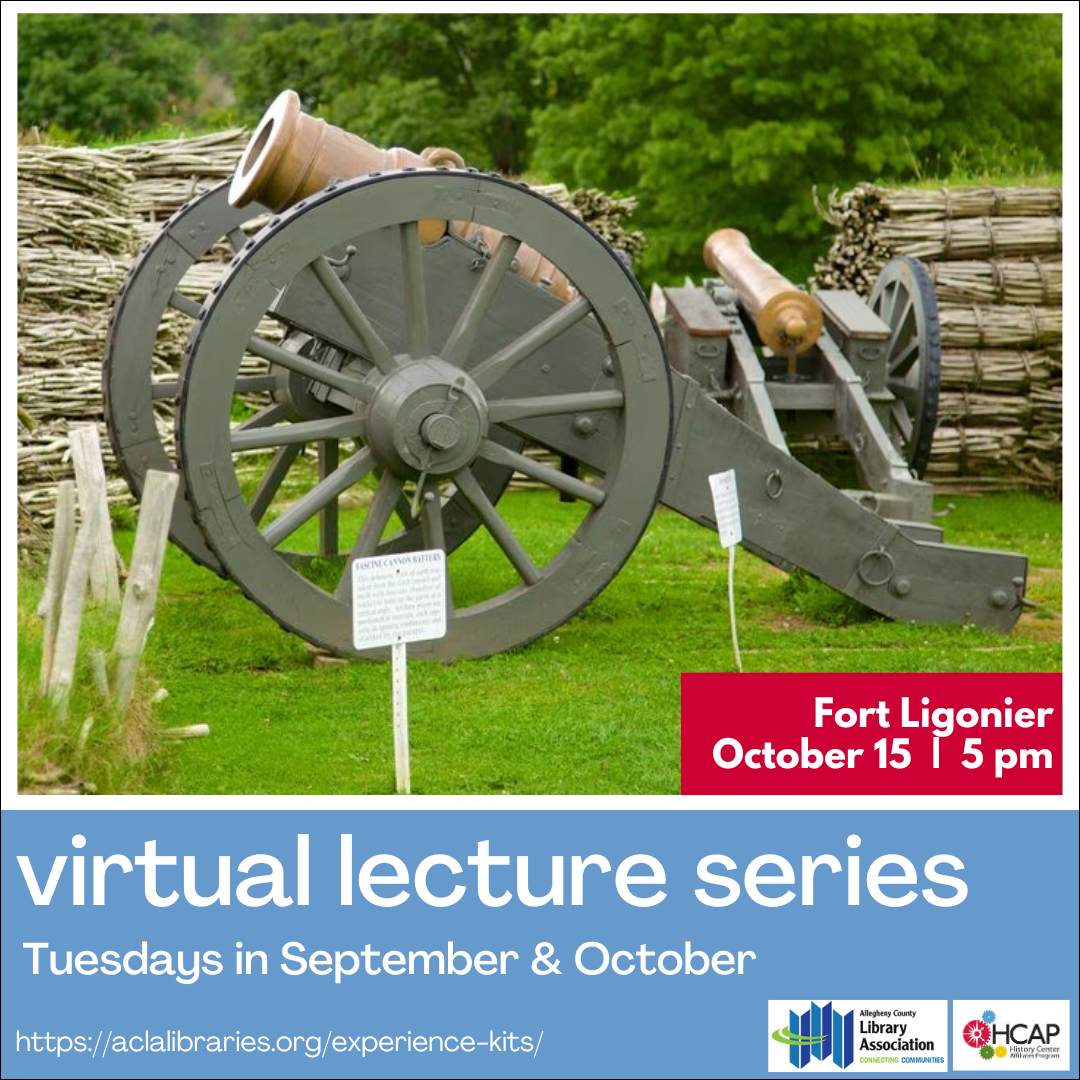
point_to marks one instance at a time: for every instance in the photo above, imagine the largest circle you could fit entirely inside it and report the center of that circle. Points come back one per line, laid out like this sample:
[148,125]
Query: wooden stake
[188,731]
[69,627]
[101,674]
[84,732]
[59,561]
[140,593]
[90,479]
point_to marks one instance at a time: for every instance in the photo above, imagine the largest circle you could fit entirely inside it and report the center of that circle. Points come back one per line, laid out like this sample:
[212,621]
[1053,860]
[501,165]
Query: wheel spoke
[265,417]
[496,366]
[237,238]
[508,409]
[328,515]
[908,394]
[902,421]
[462,338]
[245,384]
[434,534]
[902,362]
[272,480]
[185,305]
[165,391]
[403,511]
[255,384]
[334,427]
[431,520]
[378,515]
[326,490]
[301,365]
[415,299]
[904,328]
[350,311]
[499,530]
[888,303]
[537,470]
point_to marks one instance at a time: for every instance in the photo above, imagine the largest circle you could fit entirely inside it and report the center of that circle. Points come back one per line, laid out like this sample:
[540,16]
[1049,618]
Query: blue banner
[531,943]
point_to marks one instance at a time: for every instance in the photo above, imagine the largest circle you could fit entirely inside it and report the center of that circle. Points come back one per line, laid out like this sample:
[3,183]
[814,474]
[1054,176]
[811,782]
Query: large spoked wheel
[442,361]
[904,298]
[158,304]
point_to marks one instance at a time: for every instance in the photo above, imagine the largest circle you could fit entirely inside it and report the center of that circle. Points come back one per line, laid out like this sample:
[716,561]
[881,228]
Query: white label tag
[399,598]
[726,503]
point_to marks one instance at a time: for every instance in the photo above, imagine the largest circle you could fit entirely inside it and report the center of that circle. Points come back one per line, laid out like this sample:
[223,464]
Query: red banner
[871,734]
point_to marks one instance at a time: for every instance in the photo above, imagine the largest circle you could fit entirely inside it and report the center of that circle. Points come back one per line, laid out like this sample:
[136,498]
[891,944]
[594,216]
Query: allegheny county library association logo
[901,1037]
[1028,1035]
[820,1033]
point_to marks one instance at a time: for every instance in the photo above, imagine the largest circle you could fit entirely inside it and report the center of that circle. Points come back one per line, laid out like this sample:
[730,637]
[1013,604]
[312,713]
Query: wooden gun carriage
[425,332]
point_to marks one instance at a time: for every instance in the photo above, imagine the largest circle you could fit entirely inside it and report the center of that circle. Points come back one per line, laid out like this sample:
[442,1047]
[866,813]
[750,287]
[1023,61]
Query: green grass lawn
[592,708]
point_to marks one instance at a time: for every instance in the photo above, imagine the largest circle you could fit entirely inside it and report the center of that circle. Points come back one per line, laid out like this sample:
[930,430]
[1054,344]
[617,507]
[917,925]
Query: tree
[463,81]
[730,120]
[97,75]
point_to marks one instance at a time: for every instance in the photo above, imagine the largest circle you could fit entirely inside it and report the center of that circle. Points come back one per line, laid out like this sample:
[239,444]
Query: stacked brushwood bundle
[76,240]
[994,255]
[70,197]
[83,214]
[169,173]
[605,214]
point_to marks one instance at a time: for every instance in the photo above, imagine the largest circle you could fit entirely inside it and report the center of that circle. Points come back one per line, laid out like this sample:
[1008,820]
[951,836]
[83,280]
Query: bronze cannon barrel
[292,155]
[785,317]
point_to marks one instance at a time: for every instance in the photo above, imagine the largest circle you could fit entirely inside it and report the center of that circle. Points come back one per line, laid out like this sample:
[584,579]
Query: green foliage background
[711,120]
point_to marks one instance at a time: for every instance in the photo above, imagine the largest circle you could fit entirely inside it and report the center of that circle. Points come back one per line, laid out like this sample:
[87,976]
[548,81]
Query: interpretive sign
[399,598]
[726,504]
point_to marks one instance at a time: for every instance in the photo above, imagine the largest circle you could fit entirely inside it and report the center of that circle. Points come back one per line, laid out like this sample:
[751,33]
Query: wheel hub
[427,417]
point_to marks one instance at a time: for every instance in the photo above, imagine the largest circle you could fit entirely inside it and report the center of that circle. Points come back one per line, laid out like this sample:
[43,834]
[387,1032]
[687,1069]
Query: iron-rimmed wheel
[458,356]
[132,380]
[903,297]
[163,286]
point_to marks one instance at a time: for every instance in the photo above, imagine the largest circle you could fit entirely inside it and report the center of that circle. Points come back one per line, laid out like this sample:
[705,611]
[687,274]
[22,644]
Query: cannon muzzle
[293,155]
[786,317]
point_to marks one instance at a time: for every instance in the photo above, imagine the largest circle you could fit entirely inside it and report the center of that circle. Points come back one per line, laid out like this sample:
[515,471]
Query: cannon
[788,363]
[396,336]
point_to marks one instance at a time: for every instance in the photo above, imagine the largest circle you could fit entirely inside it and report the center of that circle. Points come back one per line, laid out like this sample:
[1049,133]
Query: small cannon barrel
[293,155]
[785,317]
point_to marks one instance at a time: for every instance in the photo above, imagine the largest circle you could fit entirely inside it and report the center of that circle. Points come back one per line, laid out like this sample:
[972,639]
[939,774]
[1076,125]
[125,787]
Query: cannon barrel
[785,317]
[292,155]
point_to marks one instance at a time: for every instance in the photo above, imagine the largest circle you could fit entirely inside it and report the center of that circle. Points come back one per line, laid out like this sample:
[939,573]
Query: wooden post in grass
[188,731]
[59,560]
[69,625]
[140,592]
[99,669]
[90,479]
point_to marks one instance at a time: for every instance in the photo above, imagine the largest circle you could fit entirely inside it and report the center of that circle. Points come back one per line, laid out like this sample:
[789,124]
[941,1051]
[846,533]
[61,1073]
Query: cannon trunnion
[424,334]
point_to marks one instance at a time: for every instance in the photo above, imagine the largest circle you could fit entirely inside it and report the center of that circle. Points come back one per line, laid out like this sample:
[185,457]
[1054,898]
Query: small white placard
[726,503]
[399,598]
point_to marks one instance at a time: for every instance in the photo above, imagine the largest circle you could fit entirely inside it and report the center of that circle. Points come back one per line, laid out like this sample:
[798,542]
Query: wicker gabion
[995,258]
[82,216]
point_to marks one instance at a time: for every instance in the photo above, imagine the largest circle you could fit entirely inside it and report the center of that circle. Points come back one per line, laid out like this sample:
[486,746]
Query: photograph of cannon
[402,335]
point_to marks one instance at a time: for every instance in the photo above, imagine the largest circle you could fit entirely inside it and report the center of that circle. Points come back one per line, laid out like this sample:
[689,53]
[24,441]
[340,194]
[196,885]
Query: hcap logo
[983,1035]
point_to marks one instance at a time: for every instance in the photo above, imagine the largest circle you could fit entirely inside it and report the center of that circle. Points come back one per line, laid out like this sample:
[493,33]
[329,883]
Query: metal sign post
[398,599]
